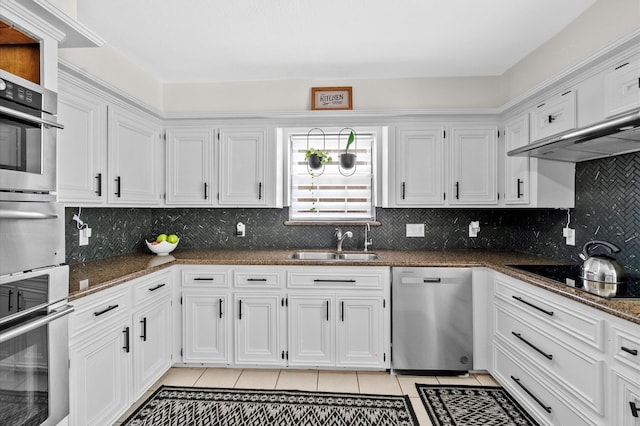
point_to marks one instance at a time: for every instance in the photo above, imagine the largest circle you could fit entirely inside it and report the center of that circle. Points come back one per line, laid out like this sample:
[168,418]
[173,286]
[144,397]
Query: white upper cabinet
[622,87]
[135,158]
[190,167]
[516,169]
[473,165]
[417,174]
[82,146]
[250,168]
[554,115]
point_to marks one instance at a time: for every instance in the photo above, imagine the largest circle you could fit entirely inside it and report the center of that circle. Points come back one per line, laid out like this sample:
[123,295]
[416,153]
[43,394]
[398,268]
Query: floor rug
[472,406]
[183,406]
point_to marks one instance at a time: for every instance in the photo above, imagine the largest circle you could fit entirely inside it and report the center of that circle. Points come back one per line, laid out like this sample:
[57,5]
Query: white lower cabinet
[120,345]
[333,317]
[257,329]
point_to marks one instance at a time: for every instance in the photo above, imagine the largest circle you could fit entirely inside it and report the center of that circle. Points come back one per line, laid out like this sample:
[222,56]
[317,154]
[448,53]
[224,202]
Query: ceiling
[250,40]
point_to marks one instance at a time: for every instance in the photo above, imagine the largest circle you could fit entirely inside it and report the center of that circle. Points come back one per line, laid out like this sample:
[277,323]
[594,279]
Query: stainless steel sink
[333,256]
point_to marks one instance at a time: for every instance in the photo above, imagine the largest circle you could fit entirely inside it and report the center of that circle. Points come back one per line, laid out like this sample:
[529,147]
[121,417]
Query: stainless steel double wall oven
[34,282]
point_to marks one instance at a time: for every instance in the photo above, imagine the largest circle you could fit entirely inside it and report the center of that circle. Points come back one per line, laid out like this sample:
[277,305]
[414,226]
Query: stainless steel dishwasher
[432,325]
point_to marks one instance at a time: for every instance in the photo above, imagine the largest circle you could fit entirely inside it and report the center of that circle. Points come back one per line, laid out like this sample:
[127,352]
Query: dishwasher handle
[431,280]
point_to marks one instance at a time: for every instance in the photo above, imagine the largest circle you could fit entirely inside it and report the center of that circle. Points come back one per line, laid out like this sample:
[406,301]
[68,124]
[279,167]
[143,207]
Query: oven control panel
[21,95]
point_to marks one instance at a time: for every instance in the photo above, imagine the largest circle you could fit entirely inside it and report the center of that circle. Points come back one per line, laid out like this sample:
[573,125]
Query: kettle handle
[611,248]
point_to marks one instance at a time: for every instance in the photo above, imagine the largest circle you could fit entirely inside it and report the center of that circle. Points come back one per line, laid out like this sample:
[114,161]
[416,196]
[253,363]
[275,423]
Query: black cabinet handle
[239,309]
[118,186]
[403,190]
[518,192]
[519,299]
[257,279]
[99,191]
[126,339]
[342,311]
[327,310]
[634,409]
[20,297]
[10,300]
[104,311]
[203,279]
[333,281]
[143,336]
[157,287]
[457,190]
[206,195]
[544,406]
[260,191]
[220,308]
[519,336]
[282,355]
[431,280]
[551,119]
[633,352]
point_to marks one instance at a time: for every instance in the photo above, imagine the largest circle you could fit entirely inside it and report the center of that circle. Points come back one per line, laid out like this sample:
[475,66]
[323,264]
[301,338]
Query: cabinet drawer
[92,312]
[205,277]
[626,344]
[554,115]
[257,278]
[574,320]
[537,393]
[334,278]
[578,373]
[152,289]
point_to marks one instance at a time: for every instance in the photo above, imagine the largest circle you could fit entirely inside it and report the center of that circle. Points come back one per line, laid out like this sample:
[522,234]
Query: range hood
[618,135]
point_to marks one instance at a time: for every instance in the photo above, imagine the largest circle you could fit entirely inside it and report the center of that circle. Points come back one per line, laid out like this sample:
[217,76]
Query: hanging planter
[316,158]
[348,159]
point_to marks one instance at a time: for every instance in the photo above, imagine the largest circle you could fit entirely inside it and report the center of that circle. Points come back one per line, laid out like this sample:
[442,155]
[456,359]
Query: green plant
[322,155]
[352,137]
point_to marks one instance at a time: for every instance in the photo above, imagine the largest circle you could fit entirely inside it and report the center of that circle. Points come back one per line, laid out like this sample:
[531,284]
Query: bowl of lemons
[163,244]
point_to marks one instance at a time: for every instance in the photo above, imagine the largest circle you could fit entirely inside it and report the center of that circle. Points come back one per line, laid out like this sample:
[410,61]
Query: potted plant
[348,159]
[316,158]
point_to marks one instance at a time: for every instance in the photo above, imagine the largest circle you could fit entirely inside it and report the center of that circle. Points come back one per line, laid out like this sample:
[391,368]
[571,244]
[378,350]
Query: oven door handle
[32,325]
[17,214]
[28,117]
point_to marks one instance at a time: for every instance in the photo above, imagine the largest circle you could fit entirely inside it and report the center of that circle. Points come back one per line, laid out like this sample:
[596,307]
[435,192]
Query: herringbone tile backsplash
[607,208]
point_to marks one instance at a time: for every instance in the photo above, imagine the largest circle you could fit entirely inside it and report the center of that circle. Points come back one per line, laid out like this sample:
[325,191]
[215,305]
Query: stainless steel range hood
[618,135]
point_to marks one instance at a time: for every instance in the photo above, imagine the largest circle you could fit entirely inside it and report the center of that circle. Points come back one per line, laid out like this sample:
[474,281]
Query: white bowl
[163,248]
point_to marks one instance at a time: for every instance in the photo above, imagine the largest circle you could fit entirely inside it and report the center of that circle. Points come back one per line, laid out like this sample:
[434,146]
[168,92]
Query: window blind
[328,195]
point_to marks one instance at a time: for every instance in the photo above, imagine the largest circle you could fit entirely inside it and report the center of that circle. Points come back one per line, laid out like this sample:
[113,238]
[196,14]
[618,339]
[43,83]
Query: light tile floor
[311,380]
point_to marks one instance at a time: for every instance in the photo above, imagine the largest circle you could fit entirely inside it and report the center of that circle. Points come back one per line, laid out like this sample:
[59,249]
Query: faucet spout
[367,237]
[341,237]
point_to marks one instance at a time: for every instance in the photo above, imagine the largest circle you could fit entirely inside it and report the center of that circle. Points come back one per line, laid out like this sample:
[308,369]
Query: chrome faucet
[341,237]
[367,237]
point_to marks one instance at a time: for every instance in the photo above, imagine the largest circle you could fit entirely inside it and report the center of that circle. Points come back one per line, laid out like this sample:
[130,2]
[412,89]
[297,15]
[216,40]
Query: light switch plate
[415,230]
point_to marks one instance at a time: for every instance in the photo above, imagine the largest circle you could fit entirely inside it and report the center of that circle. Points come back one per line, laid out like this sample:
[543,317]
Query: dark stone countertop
[106,273]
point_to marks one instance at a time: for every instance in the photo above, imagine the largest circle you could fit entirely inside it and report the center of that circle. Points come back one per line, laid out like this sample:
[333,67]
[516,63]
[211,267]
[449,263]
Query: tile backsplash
[607,208]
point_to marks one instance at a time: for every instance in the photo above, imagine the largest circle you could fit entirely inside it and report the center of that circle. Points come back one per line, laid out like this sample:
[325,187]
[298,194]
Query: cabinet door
[359,332]
[622,88]
[100,378]
[205,327]
[625,408]
[311,325]
[135,166]
[151,344]
[257,329]
[243,168]
[516,169]
[474,165]
[555,115]
[419,167]
[82,147]
[190,167]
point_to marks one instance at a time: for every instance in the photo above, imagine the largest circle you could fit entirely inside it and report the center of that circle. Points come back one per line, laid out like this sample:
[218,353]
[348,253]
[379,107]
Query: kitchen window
[332,193]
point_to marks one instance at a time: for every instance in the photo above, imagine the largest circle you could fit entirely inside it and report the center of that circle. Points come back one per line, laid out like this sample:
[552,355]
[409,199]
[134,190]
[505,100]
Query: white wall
[602,24]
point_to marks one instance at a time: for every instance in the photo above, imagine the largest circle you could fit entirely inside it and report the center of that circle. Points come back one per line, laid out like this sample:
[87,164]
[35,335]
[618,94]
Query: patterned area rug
[182,406]
[471,406]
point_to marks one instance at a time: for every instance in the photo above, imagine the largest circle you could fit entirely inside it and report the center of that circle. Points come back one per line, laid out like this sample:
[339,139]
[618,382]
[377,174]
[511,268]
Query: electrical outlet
[83,237]
[415,229]
[570,236]
[240,229]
